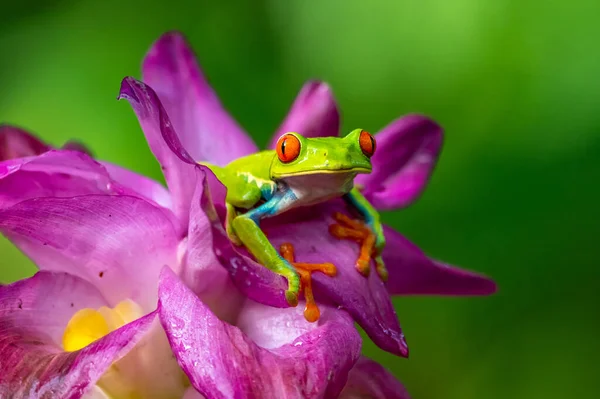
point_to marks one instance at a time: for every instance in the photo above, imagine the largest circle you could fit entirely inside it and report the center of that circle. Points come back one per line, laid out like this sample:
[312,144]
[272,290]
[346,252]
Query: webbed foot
[311,311]
[356,230]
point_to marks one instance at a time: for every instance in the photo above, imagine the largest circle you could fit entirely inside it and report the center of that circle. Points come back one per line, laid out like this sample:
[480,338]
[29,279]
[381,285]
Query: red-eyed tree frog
[302,172]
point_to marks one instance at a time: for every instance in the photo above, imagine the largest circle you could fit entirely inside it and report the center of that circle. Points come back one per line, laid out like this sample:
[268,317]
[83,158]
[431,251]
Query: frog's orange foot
[356,230]
[311,311]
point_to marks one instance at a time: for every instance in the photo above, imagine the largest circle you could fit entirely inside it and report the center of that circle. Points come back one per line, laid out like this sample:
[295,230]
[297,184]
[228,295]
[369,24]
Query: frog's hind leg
[355,230]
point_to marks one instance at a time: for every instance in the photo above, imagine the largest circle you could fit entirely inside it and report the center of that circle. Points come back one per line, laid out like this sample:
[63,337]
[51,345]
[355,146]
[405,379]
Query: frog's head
[301,156]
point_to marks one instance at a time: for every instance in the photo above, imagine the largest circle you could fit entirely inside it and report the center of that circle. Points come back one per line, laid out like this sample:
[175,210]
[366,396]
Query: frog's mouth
[323,172]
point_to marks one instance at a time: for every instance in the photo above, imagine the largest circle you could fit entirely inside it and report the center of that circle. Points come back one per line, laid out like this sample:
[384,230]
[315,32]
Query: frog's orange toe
[311,311]
[355,230]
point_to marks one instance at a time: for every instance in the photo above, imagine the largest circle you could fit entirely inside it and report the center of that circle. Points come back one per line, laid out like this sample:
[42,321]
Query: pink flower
[129,263]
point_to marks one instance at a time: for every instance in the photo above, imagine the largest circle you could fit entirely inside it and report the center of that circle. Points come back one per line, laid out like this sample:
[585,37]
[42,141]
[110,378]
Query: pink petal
[313,114]
[366,299]
[146,187]
[32,364]
[176,163]
[205,128]
[370,380]
[17,143]
[55,173]
[271,328]
[47,301]
[411,272]
[118,243]
[407,151]
[202,271]
[222,362]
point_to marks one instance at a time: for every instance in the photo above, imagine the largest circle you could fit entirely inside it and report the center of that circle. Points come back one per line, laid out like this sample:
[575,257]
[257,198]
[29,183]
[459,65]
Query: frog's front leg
[246,228]
[368,233]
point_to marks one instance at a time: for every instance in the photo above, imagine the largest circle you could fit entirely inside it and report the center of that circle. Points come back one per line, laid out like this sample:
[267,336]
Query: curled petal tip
[488,286]
[317,88]
[126,91]
[403,346]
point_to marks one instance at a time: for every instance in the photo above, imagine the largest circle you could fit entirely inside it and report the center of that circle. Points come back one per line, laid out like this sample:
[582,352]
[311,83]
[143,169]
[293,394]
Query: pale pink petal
[118,243]
[32,364]
[47,301]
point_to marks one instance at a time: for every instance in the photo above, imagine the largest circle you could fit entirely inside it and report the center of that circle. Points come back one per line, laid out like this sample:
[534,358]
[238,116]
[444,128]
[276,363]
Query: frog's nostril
[325,154]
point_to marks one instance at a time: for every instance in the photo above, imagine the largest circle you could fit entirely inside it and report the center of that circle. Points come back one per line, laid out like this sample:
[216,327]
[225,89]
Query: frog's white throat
[316,188]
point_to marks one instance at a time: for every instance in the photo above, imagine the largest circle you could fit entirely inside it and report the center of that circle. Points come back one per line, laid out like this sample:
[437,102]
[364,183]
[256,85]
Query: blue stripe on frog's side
[360,207]
[280,199]
[268,190]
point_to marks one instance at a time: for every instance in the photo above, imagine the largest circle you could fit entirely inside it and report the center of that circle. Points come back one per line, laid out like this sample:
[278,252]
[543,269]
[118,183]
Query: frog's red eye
[288,148]
[367,143]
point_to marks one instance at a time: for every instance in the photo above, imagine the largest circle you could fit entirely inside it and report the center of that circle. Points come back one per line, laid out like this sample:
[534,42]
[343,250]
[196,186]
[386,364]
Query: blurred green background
[515,195]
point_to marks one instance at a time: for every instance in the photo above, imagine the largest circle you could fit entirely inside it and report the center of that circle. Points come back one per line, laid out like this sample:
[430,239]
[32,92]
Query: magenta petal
[407,151]
[366,299]
[411,272]
[145,186]
[17,143]
[32,364]
[118,243]
[370,380]
[55,173]
[222,362]
[176,163]
[202,271]
[313,114]
[205,129]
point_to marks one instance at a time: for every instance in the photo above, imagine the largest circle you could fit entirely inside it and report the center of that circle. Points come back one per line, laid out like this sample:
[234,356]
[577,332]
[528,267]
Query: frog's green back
[246,178]
[257,164]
